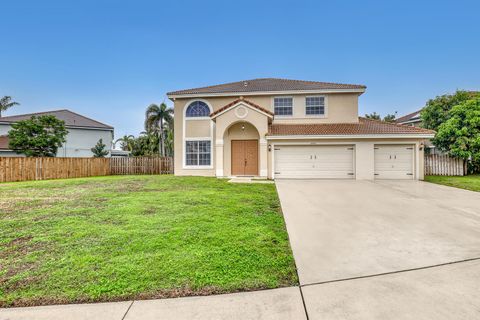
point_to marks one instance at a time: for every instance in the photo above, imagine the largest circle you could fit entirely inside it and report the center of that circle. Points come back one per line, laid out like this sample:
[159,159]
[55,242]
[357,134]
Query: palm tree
[156,116]
[6,103]
[126,142]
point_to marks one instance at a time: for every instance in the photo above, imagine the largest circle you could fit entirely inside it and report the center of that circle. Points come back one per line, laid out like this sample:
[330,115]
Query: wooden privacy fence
[24,169]
[141,165]
[443,165]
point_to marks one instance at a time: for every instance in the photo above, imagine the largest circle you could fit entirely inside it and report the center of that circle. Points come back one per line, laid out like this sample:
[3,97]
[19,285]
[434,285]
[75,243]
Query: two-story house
[279,128]
[83,133]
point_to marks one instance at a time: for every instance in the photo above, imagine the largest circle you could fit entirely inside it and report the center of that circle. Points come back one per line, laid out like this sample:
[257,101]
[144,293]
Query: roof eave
[172,95]
[353,136]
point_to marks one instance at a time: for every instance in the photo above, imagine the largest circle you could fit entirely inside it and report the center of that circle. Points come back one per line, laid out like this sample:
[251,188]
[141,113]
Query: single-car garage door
[394,161]
[314,162]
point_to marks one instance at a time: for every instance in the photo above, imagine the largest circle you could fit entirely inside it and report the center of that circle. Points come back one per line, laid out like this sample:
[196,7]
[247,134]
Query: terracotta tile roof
[410,116]
[234,102]
[71,119]
[3,143]
[363,127]
[266,84]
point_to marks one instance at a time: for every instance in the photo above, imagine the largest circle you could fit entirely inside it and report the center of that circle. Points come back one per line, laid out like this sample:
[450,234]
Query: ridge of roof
[266,84]
[14,118]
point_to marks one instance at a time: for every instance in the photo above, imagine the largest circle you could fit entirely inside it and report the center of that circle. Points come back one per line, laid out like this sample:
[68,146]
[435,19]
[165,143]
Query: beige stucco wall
[197,128]
[340,107]
[192,128]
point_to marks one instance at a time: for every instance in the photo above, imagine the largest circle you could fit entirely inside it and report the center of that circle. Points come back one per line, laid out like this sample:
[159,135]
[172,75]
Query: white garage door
[318,162]
[394,161]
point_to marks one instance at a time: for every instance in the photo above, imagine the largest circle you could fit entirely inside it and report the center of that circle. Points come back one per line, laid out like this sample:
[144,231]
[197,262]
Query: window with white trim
[197,153]
[315,105]
[197,109]
[283,106]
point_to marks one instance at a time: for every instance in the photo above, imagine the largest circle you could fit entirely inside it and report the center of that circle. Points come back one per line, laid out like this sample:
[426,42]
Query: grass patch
[471,182]
[134,237]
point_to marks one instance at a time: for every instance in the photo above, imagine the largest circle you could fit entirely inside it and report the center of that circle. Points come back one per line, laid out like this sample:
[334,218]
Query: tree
[437,110]
[147,144]
[38,136]
[459,135]
[374,116]
[126,142]
[390,117]
[6,103]
[156,116]
[100,150]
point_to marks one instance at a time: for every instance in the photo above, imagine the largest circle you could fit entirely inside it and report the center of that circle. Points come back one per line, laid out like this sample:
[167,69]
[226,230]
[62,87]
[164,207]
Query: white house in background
[83,133]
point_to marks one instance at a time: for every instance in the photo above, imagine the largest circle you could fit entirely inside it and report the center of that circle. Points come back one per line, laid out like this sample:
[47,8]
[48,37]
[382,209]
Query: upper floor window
[315,106]
[283,106]
[197,109]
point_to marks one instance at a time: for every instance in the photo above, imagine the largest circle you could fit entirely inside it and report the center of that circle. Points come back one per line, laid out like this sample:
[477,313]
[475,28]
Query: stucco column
[364,160]
[263,157]
[219,157]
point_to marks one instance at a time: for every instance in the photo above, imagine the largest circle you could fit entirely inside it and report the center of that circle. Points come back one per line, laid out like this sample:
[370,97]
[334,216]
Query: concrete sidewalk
[281,304]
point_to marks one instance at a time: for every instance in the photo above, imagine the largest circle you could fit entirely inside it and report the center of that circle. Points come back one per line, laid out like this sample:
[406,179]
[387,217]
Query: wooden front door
[244,157]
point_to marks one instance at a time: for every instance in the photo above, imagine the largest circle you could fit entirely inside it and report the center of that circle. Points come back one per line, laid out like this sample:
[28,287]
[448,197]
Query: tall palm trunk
[162,138]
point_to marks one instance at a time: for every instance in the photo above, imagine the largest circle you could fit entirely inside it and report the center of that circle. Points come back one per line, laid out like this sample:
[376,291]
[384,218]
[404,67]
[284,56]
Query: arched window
[198,109]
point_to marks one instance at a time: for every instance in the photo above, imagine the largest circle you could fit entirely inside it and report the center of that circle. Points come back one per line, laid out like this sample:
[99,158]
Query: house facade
[279,128]
[83,133]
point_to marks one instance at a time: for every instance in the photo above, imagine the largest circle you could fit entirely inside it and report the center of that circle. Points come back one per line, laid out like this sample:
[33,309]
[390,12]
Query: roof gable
[71,119]
[237,102]
[268,85]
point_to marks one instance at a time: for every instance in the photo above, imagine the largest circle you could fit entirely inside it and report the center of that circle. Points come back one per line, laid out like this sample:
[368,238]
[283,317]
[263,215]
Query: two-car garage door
[314,162]
[338,161]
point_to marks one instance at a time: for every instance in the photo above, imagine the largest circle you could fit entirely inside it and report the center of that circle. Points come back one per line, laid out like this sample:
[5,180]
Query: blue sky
[110,59]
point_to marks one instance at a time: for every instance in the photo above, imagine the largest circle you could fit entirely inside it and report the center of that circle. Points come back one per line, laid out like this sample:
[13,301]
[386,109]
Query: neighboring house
[280,128]
[412,119]
[83,133]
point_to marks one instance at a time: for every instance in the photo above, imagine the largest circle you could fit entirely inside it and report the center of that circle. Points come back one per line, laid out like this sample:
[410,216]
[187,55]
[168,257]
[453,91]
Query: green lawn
[114,238]
[471,182]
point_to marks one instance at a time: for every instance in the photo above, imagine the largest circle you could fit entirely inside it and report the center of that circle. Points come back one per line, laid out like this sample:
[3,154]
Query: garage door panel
[318,162]
[394,162]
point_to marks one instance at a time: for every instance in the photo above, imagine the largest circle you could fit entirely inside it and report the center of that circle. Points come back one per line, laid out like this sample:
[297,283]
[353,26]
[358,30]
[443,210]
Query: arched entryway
[241,149]
[241,120]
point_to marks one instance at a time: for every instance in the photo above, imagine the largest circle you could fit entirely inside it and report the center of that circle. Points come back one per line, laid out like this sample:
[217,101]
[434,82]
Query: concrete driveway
[356,241]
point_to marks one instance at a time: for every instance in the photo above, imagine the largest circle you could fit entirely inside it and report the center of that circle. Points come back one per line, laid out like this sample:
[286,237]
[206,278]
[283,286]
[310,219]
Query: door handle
[245,162]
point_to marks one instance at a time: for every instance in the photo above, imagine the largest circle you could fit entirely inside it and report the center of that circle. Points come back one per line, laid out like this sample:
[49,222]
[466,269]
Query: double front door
[244,157]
